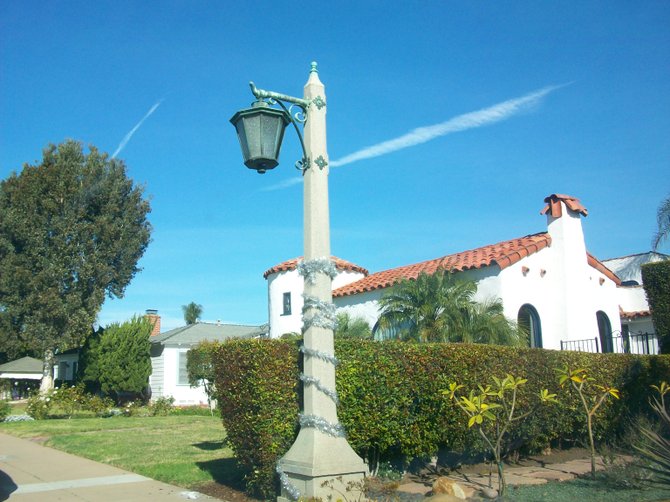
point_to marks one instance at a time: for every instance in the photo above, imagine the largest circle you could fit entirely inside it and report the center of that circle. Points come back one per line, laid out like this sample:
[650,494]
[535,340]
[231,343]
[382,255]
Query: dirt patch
[39,439]
[428,474]
[224,492]
[383,491]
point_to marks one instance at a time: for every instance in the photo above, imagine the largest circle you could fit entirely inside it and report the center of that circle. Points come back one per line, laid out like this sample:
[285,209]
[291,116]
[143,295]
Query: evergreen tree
[72,230]
[118,358]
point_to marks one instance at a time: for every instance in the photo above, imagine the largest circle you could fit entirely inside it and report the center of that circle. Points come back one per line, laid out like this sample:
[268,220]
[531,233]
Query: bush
[5,410]
[118,358]
[391,400]
[203,411]
[655,278]
[66,402]
[39,405]
[256,382]
[162,406]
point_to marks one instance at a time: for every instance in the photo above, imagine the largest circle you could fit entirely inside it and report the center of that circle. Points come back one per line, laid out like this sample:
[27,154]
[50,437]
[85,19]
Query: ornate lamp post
[320,452]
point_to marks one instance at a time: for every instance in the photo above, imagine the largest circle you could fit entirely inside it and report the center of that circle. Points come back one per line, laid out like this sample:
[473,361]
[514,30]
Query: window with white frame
[182,376]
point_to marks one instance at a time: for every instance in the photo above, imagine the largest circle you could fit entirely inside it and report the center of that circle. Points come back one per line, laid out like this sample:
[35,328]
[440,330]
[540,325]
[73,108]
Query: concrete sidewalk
[31,472]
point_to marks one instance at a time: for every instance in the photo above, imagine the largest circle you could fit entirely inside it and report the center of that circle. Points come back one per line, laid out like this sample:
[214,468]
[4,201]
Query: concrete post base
[316,459]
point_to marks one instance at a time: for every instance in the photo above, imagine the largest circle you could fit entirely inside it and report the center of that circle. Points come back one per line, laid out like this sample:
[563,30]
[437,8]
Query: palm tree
[440,308]
[348,327]
[425,309]
[663,219]
[486,323]
[192,312]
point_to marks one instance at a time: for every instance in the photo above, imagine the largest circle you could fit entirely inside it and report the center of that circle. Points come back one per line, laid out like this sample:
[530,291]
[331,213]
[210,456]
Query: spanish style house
[547,281]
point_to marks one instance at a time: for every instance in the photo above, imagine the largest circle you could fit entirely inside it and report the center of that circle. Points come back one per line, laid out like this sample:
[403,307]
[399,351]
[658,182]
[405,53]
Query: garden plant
[656,451]
[582,383]
[495,405]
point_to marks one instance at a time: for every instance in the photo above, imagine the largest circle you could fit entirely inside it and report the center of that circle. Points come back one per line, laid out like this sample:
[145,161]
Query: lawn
[604,489]
[187,451]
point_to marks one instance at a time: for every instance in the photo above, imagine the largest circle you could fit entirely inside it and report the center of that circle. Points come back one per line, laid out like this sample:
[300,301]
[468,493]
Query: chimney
[569,269]
[153,316]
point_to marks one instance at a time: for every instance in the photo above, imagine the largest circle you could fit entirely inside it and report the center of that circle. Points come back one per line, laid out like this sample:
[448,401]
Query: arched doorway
[529,321]
[604,332]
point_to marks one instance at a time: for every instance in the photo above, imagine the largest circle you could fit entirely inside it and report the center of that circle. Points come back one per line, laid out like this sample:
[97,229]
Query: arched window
[604,331]
[529,321]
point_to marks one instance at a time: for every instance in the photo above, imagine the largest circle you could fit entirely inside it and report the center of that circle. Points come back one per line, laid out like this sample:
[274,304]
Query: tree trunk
[593,447]
[47,372]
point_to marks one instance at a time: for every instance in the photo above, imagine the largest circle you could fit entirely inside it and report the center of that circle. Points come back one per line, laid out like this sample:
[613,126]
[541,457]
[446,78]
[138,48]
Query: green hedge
[656,280]
[391,400]
[256,392]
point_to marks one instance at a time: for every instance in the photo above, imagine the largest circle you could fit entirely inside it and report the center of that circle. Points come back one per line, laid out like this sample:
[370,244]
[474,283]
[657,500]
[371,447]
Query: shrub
[256,382]
[200,370]
[193,411]
[39,405]
[5,410]
[136,409]
[655,278]
[100,406]
[118,358]
[391,401]
[162,406]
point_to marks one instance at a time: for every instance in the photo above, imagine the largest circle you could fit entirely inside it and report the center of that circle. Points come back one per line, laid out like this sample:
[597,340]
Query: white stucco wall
[291,281]
[633,298]
[364,306]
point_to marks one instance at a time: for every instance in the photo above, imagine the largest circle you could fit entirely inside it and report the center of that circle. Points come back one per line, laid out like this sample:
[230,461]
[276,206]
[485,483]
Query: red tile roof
[503,254]
[598,265]
[634,315]
[553,206]
[292,264]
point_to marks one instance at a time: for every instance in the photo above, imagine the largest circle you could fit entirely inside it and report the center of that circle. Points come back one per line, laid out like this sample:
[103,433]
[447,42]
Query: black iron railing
[622,343]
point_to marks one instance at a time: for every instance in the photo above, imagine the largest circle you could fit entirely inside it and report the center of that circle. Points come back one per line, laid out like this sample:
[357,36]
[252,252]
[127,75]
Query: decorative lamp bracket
[297,117]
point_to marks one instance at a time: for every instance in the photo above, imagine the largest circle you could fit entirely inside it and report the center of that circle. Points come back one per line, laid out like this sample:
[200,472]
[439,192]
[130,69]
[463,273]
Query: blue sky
[524,99]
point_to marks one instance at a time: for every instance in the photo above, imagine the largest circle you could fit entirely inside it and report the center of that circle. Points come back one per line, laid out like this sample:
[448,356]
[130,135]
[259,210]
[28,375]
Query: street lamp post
[320,462]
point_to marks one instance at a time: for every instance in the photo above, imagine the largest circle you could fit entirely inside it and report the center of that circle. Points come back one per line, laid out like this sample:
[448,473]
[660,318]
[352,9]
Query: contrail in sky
[479,118]
[127,137]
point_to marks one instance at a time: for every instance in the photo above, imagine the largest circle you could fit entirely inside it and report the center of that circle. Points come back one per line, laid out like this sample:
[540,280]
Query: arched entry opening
[529,321]
[604,332]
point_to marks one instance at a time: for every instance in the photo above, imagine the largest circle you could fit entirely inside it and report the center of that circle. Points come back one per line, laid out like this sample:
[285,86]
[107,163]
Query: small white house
[168,358]
[547,281]
[23,376]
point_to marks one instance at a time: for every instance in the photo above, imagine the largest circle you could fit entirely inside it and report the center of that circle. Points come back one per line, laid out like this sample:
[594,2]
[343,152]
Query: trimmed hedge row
[391,400]
[656,277]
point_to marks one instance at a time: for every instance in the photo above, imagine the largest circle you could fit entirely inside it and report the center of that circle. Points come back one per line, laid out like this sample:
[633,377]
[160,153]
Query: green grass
[18,407]
[603,489]
[182,450]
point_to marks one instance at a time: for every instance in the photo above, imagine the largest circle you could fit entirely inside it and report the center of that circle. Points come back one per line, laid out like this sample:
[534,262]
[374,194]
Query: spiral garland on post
[309,268]
[322,314]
